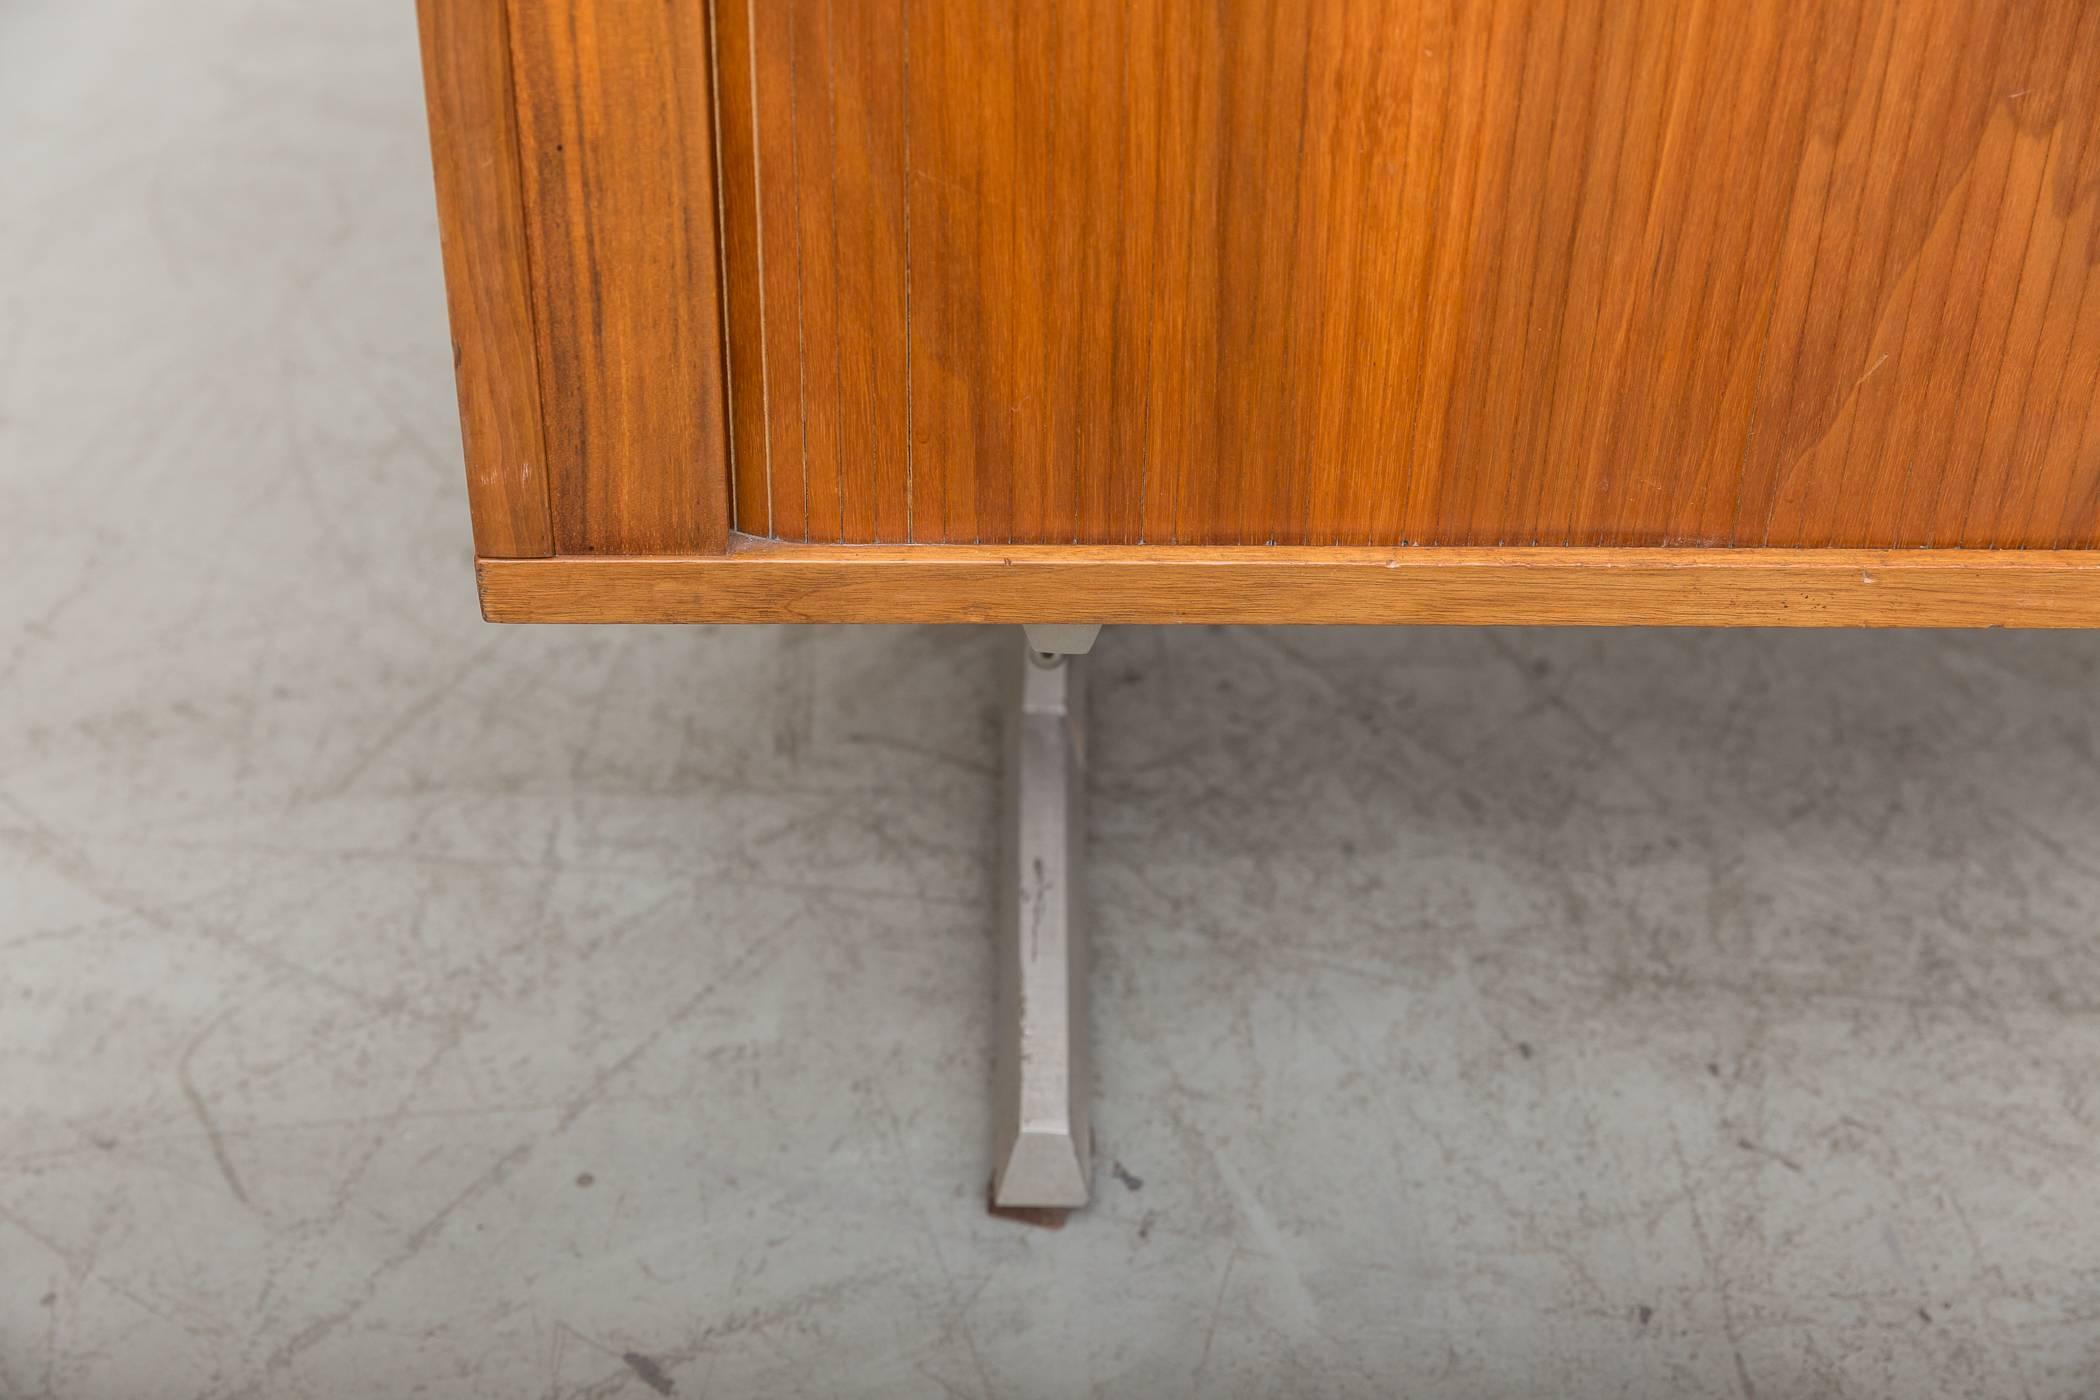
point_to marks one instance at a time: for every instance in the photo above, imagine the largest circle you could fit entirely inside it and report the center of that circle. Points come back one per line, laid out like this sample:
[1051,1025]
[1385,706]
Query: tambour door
[1408,310]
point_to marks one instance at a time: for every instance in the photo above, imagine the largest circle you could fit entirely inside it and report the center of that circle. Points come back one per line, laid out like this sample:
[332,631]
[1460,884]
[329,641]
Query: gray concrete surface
[392,1005]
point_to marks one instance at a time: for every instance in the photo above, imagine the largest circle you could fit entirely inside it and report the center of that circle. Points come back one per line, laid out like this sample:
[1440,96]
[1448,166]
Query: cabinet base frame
[769,581]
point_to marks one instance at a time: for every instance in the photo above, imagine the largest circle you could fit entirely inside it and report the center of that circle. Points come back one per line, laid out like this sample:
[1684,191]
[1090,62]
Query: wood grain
[1558,272]
[617,137]
[767,581]
[481,226]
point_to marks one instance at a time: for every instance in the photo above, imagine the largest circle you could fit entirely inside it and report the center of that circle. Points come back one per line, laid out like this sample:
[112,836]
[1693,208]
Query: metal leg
[1044,1146]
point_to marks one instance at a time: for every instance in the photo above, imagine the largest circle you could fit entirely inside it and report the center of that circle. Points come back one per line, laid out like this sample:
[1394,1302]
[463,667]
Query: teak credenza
[1738,312]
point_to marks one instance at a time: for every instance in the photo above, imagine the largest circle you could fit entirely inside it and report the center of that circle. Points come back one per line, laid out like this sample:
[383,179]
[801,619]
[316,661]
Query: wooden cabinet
[1643,311]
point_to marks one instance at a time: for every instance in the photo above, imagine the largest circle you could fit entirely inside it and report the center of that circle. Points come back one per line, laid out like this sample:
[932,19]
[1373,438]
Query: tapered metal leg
[1044,1147]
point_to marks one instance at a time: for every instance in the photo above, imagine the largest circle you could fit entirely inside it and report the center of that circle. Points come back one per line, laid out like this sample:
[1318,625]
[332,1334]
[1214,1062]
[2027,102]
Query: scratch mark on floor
[498,1171]
[202,1110]
[1711,1261]
[1217,1310]
[403,724]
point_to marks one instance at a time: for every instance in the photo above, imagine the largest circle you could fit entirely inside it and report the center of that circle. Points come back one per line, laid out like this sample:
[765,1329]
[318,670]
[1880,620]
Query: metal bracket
[1044,1146]
[1062,638]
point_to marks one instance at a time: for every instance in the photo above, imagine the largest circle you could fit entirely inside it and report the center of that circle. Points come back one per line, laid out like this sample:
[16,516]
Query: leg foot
[1042,1155]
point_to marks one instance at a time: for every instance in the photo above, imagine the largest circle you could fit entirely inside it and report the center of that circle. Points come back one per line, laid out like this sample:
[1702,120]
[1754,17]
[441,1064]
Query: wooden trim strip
[615,104]
[766,581]
[488,280]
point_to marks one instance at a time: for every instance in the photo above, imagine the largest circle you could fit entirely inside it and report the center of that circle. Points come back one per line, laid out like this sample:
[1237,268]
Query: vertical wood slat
[743,212]
[488,292]
[775,54]
[1094,38]
[812,142]
[980,85]
[873,275]
[616,132]
[1116,491]
[947,37]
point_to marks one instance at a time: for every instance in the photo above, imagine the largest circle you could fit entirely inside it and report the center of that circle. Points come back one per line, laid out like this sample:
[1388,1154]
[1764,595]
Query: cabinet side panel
[481,226]
[616,127]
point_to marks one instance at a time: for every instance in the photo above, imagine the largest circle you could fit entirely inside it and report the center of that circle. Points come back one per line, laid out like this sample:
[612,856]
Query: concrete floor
[394,1005]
